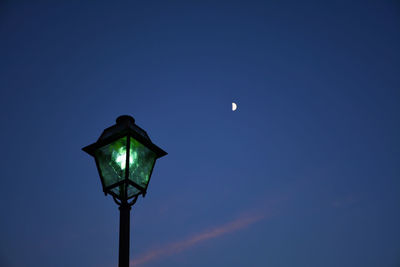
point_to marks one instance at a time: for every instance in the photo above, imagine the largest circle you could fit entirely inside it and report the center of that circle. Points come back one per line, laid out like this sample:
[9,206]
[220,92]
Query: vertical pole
[124,225]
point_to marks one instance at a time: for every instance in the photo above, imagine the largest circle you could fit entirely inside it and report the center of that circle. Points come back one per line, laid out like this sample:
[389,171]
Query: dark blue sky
[305,173]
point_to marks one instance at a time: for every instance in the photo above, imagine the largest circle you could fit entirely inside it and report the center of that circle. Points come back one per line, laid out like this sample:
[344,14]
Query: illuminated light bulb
[120,158]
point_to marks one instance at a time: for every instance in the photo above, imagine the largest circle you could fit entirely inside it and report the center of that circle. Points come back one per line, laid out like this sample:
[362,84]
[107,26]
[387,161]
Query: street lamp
[125,158]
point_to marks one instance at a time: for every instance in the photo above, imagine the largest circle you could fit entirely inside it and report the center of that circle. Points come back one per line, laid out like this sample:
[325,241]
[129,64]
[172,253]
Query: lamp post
[125,158]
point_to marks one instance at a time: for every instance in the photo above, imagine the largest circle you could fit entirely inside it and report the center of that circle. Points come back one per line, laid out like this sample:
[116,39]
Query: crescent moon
[234,106]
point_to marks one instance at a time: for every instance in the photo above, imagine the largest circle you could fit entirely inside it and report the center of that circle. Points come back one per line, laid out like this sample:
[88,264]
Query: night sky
[305,173]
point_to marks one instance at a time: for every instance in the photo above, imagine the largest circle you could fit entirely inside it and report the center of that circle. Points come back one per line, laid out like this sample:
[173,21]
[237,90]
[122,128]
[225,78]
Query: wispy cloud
[176,247]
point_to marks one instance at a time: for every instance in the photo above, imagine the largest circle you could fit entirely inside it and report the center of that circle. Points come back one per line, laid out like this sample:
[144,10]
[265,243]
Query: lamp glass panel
[112,161]
[118,190]
[132,191]
[141,161]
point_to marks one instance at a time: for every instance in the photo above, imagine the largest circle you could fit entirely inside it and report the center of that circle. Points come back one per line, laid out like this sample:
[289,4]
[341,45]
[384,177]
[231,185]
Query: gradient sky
[306,173]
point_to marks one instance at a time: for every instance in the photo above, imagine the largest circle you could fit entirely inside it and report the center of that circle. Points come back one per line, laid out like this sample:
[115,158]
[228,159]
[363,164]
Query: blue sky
[304,173]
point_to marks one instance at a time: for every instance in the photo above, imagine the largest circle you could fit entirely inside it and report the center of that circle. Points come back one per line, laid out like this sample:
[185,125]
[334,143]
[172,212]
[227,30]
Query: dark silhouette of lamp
[125,157]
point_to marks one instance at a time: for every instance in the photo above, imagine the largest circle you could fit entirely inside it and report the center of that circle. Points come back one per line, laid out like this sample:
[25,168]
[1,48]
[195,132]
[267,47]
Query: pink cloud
[176,247]
[266,209]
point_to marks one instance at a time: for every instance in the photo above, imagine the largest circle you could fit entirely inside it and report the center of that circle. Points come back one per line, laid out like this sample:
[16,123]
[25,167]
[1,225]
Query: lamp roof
[125,125]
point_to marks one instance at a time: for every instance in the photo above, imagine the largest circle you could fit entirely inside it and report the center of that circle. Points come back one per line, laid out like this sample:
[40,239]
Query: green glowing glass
[125,157]
[141,162]
[111,160]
